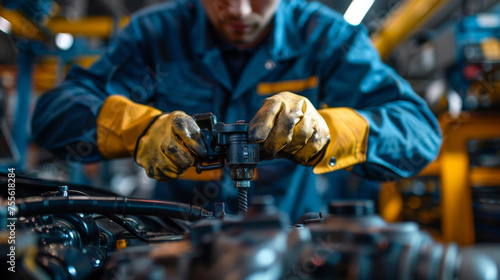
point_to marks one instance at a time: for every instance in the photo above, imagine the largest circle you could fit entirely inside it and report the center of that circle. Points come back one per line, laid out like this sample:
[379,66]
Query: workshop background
[449,50]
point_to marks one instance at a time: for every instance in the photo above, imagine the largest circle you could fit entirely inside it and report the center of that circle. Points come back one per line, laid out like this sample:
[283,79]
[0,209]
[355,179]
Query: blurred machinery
[43,40]
[44,43]
[466,55]
[456,68]
[63,233]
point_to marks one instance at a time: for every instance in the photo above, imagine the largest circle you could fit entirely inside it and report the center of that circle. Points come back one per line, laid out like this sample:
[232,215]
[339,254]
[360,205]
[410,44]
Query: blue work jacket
[165,58]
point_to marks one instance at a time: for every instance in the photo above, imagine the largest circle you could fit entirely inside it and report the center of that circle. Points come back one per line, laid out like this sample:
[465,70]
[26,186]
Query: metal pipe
[109,205]
[92,26]
[403,22]
[95,26]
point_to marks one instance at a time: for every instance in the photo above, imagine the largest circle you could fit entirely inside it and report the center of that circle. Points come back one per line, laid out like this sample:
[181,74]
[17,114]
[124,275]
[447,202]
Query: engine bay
[79,232]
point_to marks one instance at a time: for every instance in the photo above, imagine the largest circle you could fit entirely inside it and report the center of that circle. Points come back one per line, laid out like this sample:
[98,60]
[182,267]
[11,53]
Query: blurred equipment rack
[34,26]
[466,187]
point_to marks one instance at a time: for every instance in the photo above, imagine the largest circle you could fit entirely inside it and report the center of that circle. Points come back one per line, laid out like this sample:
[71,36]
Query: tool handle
[215,159]
[200,167]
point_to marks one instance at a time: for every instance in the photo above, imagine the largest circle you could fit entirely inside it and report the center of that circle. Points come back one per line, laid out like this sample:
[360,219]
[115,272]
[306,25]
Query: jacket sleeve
[397,134]
[64,120]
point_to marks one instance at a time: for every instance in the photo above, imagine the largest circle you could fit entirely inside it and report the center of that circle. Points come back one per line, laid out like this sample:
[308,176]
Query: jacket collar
[286,40]
[199,32]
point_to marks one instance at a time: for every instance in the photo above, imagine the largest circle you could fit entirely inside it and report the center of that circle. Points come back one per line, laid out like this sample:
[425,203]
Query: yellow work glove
[288,126]
[170,146]
[164,144]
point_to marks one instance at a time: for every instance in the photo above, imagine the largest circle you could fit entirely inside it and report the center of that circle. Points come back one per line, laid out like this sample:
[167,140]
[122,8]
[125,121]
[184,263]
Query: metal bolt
[64,190]
[332,161]
[269,65]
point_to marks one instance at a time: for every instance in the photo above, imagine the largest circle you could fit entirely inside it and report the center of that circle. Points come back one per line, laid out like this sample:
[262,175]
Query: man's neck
[242,46]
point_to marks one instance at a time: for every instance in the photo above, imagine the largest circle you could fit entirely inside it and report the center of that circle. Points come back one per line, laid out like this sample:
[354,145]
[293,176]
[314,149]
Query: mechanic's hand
[170,146]
[289,126]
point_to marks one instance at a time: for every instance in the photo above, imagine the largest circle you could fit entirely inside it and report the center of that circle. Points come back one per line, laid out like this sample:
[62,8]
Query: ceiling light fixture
[5,25]
[64,41]
[357,11]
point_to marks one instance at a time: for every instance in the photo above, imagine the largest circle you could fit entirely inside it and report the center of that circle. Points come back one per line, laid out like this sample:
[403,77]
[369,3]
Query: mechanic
[313,87]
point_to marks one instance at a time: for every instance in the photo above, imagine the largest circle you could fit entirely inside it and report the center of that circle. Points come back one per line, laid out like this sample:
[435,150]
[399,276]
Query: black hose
[109,205]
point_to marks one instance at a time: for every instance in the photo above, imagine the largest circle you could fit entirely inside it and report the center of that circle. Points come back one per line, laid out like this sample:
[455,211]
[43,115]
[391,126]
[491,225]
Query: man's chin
[242,41]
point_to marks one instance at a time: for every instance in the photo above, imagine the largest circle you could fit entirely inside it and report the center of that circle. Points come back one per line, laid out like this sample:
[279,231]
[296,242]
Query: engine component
[54,240]
[68,262]
[228,144]
[259,245]
[351,243]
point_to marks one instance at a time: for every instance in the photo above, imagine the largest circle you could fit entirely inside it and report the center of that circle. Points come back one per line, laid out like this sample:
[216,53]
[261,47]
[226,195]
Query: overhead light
[64,41]
[357,11]
[5,25]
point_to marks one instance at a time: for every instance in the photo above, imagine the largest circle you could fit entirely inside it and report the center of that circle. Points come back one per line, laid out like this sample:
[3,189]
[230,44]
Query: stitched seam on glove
[362,147]
[119,123]
[106,131]
[144,133]
[348,157]
[358,155]
[353,130]
[105,136]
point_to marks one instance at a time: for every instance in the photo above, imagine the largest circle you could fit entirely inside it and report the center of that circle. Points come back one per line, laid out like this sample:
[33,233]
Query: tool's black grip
[215,159]
[206,121]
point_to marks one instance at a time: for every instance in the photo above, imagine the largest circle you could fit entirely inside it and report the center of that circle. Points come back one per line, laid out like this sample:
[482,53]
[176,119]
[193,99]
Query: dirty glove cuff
[349,139]
[120,123]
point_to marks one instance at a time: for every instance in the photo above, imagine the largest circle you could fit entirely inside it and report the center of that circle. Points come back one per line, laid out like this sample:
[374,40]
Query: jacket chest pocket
[307,87]
[185,91]
[191,101]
